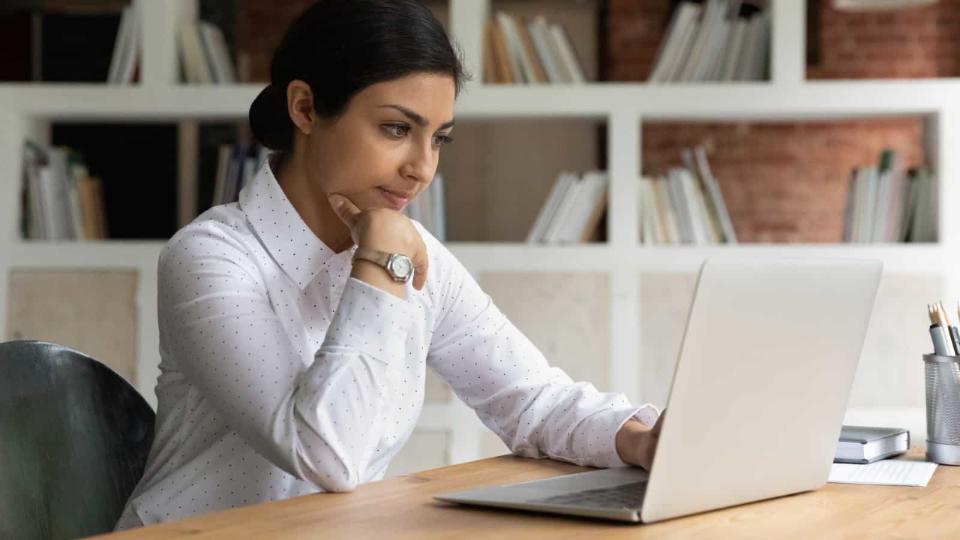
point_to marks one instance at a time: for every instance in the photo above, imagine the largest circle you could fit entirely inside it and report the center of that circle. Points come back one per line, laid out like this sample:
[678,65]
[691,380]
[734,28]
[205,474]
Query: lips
[396,199]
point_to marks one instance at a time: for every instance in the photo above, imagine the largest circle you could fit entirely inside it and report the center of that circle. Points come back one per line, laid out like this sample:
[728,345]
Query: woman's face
[383,150]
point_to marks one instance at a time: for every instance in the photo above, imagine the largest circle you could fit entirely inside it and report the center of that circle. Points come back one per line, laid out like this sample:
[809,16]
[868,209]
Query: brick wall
[784,182]
[787,182]
[910,43]
[634,31]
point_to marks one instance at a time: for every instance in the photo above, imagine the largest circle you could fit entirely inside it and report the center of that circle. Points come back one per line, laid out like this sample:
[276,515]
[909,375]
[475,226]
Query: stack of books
[428,209]
[126,49]
[886,204]
[685,206]
[529,52]
[572,210]
[236,166]
[719,40]
[204,54]
[61,200]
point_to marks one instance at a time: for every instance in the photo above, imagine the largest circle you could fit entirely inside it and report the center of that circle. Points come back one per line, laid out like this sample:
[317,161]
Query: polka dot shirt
[281,375]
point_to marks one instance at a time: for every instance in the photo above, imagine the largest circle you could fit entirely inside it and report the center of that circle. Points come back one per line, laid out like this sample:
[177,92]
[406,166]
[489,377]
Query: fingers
[420,271]
[344,208]
[347,212]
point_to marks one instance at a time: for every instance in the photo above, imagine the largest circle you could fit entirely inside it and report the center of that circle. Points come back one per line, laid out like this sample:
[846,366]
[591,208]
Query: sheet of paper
[887,472]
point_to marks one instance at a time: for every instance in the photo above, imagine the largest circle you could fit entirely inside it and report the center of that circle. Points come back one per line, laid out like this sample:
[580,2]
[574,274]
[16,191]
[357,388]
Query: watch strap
[372,255]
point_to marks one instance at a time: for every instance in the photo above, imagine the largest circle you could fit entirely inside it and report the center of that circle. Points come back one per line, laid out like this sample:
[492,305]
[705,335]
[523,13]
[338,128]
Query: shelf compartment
[787,182]
[498,174]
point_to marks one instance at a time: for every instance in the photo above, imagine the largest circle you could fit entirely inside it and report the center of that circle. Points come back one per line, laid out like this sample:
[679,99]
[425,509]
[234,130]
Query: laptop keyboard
[622,496]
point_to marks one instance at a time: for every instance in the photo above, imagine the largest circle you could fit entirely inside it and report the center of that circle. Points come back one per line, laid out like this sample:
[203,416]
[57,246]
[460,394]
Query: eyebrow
[419,120]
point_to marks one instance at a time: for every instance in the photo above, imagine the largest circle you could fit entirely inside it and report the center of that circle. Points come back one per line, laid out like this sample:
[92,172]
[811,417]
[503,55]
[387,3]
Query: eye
[441,140]
[396,130]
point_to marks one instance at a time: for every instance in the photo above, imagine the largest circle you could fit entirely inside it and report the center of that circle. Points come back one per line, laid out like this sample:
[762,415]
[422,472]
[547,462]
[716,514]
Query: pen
[937,333]
[954,334]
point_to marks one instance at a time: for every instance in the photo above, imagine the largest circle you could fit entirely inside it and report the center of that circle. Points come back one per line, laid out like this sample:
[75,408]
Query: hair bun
[269,120]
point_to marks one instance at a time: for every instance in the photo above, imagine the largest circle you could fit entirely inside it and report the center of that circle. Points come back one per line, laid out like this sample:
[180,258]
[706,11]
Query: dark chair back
[74,439]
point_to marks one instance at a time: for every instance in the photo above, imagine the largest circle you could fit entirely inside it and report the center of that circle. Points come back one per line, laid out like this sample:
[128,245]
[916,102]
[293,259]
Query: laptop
[758,397]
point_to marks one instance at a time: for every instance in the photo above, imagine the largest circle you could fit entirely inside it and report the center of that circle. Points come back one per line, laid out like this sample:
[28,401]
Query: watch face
[401,267]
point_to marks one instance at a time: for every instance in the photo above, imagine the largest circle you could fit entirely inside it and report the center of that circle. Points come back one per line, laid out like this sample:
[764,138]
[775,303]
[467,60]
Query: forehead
[429,95]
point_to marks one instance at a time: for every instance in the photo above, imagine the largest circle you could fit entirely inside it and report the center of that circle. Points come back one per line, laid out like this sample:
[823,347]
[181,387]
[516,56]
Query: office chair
[74,439]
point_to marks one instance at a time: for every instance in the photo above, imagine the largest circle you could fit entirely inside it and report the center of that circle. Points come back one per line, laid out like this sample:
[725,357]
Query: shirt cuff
[370,320]
[646,414]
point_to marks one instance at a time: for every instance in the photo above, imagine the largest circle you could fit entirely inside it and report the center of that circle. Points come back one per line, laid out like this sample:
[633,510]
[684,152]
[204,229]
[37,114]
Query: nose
[421,162]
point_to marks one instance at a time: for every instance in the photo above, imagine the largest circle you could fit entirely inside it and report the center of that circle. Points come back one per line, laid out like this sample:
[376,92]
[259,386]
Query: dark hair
[340,47]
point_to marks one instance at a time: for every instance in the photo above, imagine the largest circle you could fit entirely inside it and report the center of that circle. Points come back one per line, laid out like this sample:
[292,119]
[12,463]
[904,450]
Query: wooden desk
[402,507]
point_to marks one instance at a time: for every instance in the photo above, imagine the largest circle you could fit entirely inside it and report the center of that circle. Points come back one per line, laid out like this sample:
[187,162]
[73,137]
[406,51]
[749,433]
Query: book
[573,209]
[512,46]
[217,54]
[567,55]
[715,40]
[671,47]
[120,45]
[531,59]
[193,60]
[547,211]
[61,200]
[885,204]
[33,160]
[541,40]
[529,50]
[502,63]
[712,188]
[863,444]
[490,60]
[685,205]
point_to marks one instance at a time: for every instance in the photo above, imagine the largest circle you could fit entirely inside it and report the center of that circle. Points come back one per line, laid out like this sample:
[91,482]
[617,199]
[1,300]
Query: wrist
[375,275]
[632,443]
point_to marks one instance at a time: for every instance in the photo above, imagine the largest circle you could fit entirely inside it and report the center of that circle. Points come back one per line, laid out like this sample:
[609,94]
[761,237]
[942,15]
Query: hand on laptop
[636,442]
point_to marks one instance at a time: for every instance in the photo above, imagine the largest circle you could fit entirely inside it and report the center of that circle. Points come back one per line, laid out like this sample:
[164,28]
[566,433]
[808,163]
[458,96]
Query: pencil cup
[942,374]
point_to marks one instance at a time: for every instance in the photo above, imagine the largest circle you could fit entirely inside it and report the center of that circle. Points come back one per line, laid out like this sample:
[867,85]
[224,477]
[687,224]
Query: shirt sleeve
[318,421]
[536,409]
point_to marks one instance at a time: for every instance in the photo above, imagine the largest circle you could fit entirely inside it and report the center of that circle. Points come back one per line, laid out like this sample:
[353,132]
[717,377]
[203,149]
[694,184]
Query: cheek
[358,178]
[375,165]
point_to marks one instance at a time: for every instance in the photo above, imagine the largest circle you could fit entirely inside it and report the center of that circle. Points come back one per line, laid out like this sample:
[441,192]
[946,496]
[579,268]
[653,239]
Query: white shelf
[760,101]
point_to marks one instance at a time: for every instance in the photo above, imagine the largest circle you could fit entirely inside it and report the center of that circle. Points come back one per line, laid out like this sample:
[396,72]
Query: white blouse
[281,375]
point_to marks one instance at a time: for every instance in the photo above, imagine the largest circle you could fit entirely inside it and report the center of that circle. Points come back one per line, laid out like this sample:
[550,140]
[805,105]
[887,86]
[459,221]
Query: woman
[291,365]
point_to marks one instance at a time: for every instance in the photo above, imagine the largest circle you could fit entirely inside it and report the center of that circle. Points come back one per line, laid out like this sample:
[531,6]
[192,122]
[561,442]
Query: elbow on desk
[339,483]
[337,477]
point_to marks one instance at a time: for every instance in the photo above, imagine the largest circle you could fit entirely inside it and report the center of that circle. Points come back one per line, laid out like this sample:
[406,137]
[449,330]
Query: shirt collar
[283,232]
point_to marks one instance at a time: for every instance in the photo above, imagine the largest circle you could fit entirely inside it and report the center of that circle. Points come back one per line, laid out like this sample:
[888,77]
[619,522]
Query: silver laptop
[757,401]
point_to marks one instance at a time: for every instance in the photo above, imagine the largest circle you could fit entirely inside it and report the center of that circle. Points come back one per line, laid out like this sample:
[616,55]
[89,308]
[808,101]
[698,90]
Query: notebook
[863,444]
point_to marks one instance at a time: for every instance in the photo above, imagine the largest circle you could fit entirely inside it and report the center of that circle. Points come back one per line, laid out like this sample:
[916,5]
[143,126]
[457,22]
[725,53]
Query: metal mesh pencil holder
[942,374]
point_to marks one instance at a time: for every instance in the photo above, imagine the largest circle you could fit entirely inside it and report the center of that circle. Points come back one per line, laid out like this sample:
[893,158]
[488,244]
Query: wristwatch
[398,265]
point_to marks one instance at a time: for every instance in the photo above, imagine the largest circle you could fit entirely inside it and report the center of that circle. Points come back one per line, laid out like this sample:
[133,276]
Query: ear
[300,105]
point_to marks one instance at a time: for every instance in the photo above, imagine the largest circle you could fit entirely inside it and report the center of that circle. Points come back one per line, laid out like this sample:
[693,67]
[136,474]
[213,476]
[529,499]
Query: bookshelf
[638,365]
